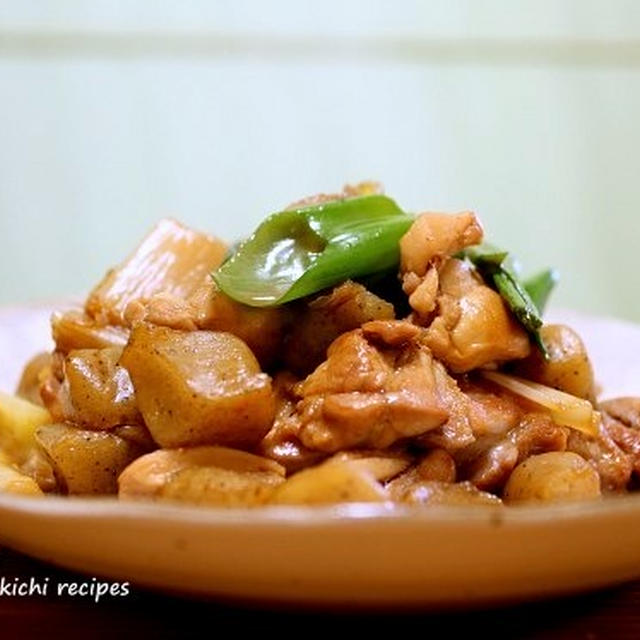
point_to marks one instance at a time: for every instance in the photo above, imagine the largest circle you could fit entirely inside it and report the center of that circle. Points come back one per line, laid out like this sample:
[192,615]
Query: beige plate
[346,555]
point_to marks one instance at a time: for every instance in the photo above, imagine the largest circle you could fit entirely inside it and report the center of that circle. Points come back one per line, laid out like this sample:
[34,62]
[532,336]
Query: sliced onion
[565,409]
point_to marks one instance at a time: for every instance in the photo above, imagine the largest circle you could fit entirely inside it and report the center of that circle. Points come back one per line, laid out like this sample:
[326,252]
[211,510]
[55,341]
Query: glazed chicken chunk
[379,384]
[473,326]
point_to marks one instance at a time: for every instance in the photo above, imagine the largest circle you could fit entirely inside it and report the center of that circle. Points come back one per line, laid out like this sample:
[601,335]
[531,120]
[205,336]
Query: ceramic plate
[351,555]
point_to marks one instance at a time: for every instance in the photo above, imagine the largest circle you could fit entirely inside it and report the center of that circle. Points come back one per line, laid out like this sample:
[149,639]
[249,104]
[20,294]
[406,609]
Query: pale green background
[113,114]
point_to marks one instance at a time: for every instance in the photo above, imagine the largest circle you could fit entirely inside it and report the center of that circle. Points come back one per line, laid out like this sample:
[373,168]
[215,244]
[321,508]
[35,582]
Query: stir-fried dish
[345,352]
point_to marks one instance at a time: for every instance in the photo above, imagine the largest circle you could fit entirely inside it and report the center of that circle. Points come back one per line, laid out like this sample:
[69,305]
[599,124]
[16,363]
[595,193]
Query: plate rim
[302,516]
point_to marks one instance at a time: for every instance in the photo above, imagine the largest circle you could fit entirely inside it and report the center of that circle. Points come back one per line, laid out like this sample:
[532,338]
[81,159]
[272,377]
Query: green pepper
[540,285]
[295,253]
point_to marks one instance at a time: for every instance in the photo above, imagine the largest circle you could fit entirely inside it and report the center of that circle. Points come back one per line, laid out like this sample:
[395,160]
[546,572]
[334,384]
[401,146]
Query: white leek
[565,409]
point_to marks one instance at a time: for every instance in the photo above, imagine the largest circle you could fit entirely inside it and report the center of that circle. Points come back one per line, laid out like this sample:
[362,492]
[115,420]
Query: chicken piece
[198,387]
[461,494]
[613,465]
[282,443]
[76,330]
[490,413]
[202,475]
[390,333]
[456,432]
[621,420]
[473,327]
[323,319]
[489,462]
[423,293]
[567,368]
[625,410]
[628,440]
[537,433]
[100,392]
[353,365]
[435,466]
[434,236]
[263,330]
[172,260]
[368,394]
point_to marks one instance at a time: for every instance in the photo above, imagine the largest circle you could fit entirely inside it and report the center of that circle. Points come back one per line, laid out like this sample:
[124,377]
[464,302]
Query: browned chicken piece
[371,395]
[461,494]
[628,440]
[262,329]
[202,475]
[423,293]
[456,432]
[473,327]
[490,412]
[438,465]
[613,465]
[625,410]
[621,417]
[567,368]
[76,330]
[536,434]
[353,364]
[172,260]
[390,333]
[100,391]
[367,188]
[282,443]
[36,371]
[490,460]
[435,466]
[324,318]
[432,238]
[198,387]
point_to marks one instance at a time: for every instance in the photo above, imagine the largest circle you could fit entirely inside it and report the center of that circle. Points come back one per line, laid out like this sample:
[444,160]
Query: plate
[347,555]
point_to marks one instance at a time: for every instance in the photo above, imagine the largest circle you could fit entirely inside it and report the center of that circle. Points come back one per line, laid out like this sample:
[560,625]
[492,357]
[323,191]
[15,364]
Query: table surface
[611,613]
